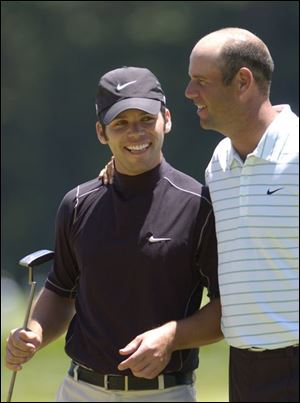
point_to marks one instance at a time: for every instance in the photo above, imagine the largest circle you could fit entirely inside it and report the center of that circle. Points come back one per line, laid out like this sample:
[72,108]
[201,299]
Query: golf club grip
[25,324]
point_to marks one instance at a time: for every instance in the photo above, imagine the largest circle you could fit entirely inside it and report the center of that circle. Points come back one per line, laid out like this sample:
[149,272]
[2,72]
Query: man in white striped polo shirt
[253,181]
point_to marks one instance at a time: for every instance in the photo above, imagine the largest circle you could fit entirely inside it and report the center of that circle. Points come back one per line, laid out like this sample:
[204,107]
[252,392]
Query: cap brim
[145,104]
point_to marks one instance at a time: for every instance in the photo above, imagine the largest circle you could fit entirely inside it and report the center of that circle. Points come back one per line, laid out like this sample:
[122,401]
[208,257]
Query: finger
[20,353]
[108,174]
[150,371]
[134,361]
[24,340]
[139,366]
[131,347]
[12,359]
[24,352]
[18,361]
[28,335]
[112,172]
[13,367]
[102,175]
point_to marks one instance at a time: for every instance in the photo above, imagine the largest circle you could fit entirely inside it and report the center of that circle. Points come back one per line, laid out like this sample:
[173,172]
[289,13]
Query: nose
[190,91]
[136,130]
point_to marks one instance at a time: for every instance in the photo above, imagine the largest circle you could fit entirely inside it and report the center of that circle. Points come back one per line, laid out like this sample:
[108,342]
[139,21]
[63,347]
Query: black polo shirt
[134,255]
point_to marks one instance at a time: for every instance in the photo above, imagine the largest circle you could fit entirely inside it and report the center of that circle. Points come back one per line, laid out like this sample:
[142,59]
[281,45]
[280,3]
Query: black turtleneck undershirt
[122,283]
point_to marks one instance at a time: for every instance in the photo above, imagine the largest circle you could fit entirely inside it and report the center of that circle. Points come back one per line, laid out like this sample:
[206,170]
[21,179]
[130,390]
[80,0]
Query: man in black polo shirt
[131,261]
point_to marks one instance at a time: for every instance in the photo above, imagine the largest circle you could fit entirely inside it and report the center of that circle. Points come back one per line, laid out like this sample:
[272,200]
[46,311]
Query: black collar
[130,186]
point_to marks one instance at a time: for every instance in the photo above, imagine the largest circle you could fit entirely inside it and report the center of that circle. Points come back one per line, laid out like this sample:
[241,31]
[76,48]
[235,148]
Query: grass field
[40,378]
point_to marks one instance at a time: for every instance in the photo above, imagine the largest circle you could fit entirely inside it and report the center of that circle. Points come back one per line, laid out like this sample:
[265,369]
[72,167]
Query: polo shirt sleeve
[64,275]
[206,252]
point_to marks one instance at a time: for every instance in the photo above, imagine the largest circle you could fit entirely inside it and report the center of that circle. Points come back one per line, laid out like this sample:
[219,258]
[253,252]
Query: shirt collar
[130,186]
[233,157]
[271,143]
[227,155]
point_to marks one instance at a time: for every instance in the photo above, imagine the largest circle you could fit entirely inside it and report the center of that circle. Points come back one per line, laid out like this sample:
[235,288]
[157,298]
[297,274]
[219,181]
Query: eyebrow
[197,76]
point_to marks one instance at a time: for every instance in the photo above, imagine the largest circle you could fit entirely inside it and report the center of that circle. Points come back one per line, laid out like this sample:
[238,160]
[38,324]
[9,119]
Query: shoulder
[184,185]
[84,189]
[73,198]
[78,200]
[286,125]
[219,157]
[291,145]
[284,133]
[221,150]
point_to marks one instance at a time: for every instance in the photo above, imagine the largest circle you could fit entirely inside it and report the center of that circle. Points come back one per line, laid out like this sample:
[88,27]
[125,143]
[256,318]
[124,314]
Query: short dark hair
[253,55]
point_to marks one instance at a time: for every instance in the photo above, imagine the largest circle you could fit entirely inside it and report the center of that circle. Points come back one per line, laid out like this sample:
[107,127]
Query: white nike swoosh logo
[153,240]
[121,86]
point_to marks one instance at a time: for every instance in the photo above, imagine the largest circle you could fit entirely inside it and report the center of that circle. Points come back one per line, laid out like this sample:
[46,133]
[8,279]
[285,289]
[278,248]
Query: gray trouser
[78,391]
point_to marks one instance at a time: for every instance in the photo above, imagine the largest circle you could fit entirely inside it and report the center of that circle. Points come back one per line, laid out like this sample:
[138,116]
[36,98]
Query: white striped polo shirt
[257,222]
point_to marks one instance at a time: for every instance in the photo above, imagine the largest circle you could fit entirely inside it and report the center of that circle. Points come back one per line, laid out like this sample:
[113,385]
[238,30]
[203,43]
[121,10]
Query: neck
[139,167]
[246,136]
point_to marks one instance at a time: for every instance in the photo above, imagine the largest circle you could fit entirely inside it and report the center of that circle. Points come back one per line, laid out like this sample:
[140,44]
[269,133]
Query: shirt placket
[244,192]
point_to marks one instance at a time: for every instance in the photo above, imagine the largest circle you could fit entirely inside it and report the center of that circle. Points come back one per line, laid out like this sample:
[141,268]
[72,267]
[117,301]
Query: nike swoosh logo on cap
[153,240]
[121,86]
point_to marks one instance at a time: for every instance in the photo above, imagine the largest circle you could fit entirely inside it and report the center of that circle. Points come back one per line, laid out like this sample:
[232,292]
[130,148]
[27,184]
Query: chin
[207,126]
[204,125]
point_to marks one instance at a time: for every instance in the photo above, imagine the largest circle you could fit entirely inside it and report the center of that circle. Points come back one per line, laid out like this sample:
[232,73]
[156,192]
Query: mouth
[137,148]
[200,108]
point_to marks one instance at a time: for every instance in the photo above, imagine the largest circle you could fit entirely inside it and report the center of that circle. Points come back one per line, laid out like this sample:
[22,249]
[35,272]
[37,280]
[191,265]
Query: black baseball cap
[128,88]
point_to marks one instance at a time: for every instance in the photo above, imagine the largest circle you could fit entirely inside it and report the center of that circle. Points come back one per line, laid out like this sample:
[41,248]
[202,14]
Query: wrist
[172,332]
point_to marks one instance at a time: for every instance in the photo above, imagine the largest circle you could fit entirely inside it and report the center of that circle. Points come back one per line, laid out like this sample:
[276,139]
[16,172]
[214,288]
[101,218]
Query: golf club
[30,261]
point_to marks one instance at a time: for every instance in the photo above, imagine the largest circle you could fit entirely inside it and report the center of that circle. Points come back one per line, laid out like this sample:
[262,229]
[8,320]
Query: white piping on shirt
[206,221]
[200,239]
[77,200]
[60,288]
[187,191]
[76,204]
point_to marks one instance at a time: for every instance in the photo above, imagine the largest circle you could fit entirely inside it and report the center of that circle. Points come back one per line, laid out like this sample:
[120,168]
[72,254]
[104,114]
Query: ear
[244,79]
[168,120]
[100,133]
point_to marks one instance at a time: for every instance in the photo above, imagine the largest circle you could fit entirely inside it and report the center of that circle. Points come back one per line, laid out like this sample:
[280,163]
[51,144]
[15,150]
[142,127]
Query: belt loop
[106,382]
[126,383]
[161,382]
[75,373]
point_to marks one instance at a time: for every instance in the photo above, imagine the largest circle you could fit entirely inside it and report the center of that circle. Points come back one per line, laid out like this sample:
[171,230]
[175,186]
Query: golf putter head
[37,258]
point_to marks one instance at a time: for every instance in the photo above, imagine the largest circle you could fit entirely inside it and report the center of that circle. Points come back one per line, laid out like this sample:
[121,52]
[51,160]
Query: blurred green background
[53,54]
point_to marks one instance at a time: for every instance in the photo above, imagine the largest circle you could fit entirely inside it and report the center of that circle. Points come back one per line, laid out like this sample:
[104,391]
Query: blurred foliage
[53,53]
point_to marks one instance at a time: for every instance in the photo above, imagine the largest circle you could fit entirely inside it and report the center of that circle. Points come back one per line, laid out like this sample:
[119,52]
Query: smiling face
[135,138]
[215,101]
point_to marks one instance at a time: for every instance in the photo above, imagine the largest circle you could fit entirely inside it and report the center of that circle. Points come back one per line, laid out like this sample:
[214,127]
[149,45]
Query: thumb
[30,337]
[131,347]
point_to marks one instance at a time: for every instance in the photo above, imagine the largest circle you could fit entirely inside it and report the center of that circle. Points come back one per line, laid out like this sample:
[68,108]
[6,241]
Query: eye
[148,118]
[120,123]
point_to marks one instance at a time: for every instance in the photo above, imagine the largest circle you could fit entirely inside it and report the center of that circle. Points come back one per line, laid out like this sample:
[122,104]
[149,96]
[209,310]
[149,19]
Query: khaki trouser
[78,391]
